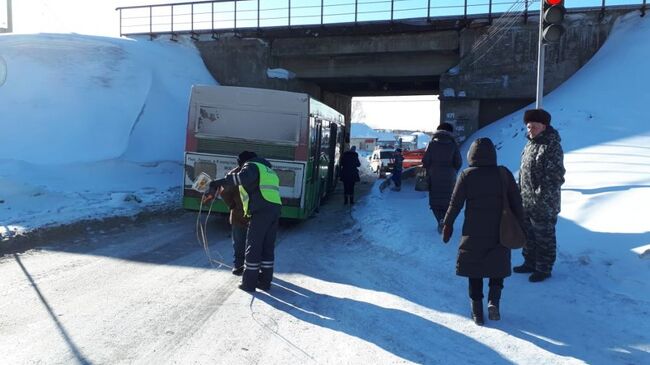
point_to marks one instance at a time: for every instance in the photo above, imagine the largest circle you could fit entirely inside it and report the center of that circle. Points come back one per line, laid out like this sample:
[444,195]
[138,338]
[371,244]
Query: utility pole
[551,15]
[540,59]
[8,29]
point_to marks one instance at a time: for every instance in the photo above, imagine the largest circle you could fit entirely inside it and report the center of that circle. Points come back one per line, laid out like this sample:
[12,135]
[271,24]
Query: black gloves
[212,191]
[447,231]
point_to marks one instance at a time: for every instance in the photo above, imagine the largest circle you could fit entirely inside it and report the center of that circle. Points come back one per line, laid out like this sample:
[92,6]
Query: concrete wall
[484,71]
[235,61]
[497,73]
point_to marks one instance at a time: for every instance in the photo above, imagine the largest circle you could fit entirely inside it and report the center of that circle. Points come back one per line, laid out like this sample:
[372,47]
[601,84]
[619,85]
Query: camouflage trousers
[541,247]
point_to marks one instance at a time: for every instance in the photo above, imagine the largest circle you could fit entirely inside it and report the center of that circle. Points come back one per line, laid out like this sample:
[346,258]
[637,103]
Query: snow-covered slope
[91,126]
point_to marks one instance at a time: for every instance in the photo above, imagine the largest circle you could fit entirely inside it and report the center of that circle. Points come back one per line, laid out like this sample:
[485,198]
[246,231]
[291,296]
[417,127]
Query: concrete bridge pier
[497,72]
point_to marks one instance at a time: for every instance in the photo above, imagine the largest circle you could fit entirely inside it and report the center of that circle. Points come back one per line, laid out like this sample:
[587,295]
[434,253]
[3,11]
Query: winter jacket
[442,161]
[398,162]
[541,174]
[350,166]
[230,195]
[479,189]
[249,178]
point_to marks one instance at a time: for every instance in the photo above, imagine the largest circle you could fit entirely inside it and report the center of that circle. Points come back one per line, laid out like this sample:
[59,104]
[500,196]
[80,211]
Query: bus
[301,137]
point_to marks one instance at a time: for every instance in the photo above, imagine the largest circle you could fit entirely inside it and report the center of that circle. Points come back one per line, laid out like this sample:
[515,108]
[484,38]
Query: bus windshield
[248,124]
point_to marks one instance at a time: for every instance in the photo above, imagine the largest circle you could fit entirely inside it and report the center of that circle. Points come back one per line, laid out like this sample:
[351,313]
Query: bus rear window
[223,122]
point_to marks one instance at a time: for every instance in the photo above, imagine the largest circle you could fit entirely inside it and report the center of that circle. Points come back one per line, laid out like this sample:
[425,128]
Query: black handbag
[511,234]
[422,180]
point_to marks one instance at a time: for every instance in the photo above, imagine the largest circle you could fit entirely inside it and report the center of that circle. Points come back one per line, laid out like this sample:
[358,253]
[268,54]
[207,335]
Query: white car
[381,161]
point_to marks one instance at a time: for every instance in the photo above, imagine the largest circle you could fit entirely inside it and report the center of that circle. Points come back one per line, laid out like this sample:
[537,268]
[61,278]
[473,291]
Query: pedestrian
[349,173]
[441,161]
[396,176]
[480,255]
[259,189]
[541,176]
[238,222]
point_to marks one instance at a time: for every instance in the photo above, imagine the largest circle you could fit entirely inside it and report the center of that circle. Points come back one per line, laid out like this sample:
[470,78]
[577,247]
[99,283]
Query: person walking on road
[398,162]
[349,173]
[480,254]
[238,222]
[259,189]
[442,161]
[541,176]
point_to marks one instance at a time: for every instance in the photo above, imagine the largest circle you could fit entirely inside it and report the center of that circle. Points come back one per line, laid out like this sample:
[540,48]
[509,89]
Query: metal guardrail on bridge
[230,15]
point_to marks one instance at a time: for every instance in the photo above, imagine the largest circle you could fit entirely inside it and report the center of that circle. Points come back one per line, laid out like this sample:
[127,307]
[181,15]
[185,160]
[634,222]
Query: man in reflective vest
[259,188]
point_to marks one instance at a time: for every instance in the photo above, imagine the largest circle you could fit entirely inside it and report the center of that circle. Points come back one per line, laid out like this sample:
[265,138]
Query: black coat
[479,189]
[442,161]
[350,166]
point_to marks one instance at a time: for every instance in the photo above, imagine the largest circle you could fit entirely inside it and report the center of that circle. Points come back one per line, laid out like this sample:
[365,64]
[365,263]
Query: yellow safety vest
[269,187]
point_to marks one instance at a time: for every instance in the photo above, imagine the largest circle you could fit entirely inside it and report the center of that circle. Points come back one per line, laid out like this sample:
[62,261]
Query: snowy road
[344,292]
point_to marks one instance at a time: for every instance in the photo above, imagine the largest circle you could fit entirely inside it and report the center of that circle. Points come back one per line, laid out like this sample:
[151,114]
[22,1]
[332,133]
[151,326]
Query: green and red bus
[301,137]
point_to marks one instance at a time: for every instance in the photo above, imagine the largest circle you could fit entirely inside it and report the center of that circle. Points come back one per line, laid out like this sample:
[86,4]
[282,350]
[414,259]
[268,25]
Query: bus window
[325,138]
[287,177]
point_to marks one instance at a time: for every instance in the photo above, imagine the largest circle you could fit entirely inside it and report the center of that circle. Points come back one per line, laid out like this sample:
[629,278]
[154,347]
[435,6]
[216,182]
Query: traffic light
[553,16]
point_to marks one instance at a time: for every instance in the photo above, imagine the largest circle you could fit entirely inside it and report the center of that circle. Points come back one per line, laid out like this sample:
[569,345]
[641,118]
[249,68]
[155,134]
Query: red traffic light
[554,2]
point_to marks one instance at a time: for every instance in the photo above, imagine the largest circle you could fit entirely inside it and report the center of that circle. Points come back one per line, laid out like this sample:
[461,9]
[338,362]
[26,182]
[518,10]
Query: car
[381,161]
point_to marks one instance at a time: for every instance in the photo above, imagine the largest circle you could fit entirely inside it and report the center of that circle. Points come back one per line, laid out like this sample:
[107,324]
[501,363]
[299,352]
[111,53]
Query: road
[368,285]
[146,293]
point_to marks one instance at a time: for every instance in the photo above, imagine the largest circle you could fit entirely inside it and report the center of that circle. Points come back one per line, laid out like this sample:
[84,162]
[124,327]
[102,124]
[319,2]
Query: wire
[202,236]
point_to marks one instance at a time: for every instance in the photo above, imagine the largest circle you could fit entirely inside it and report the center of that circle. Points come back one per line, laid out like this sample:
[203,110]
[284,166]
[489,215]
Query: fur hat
[245,156]
[537,115]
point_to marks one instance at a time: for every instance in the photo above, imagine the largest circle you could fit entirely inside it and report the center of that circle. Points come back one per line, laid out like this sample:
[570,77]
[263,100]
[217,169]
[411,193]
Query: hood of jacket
[443,137]
[482,153]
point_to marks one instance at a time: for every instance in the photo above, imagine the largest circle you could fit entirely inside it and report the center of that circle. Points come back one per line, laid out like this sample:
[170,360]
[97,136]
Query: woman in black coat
[349,173]
[480,255]
[442,161]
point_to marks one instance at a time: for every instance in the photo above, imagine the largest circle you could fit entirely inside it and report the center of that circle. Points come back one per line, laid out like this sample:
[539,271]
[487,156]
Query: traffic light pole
[540,58]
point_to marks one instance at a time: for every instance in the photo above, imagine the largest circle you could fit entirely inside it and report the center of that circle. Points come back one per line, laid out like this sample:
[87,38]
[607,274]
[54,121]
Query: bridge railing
[225,15]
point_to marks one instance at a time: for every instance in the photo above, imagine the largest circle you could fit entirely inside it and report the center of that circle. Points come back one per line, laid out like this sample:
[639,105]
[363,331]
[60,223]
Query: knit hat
[537,115]
[245,156]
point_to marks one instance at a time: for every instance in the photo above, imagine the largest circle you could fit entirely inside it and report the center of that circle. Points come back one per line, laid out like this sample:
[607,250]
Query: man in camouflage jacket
[541,176]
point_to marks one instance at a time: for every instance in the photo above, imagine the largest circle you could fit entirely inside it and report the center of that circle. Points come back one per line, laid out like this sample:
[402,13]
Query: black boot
[538,276]
[264,279]
[493,310]
[249,280]
[523,269]
[351,199]
[477,312]
[345,202]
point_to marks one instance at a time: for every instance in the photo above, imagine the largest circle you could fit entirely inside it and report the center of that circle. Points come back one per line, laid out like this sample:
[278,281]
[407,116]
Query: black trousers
[260,249]
[476,289]
[348,187]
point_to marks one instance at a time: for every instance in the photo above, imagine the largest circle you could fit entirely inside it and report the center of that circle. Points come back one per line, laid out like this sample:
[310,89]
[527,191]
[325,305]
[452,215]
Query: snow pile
[86,120]
[362,130]
[423,139]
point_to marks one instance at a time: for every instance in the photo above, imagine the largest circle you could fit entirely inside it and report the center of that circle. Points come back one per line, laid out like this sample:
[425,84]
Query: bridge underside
[380,86]
[479,76]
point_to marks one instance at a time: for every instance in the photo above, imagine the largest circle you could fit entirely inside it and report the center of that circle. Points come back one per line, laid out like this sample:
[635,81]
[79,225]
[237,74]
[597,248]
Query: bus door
[316,156]
[331,157]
